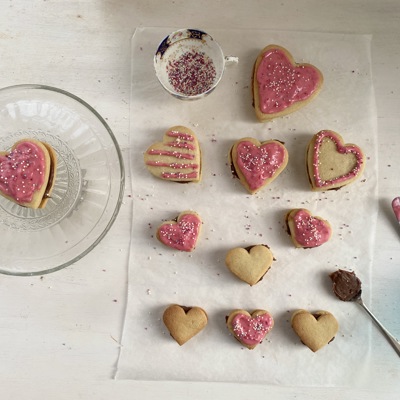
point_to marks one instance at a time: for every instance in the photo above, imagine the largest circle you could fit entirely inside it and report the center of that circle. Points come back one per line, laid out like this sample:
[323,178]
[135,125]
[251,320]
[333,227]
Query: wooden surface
[60,333]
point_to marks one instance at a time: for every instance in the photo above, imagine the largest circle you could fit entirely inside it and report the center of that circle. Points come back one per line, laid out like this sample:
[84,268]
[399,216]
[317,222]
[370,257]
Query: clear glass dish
[89,184]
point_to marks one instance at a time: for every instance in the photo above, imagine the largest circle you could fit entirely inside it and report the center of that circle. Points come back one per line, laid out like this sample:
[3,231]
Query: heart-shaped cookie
[314,330]
[184,322]
[250,329]
[249,264]
[307,230]
[177,158]
[257,164]
[27,173]
[181,234]
[280,85]
[332,164]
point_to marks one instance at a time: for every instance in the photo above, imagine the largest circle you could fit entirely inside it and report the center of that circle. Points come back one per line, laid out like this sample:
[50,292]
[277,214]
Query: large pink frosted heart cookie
[307,230]
[177,158]
[181,234]
[332,164]
[250,329]
[257,164]
[27,173]
[280,85]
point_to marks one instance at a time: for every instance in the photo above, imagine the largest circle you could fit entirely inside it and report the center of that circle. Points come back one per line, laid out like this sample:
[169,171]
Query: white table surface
[60,333]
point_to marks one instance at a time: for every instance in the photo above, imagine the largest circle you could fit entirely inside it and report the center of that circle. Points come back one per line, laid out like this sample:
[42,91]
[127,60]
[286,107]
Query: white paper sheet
[159,276]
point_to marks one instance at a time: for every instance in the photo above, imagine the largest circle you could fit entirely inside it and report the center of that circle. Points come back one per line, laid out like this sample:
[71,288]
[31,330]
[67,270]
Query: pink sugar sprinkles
[252,330]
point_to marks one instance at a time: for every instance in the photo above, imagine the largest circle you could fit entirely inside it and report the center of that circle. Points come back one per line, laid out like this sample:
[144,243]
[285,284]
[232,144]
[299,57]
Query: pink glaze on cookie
[22,171]
[329,135]
[181,235]
[280,83]
[310,231]
[258,164]
[396,207]
[252,330]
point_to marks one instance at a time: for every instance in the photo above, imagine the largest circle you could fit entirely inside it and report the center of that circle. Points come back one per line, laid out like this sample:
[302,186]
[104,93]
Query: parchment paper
[159,276]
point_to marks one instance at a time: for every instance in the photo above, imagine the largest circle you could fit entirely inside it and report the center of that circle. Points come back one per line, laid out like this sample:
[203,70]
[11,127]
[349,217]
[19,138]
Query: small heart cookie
[314,330]
[250,329]
[177,158]
[280,85]
[181,234]
[249,264]
[307,230]
[27,173]
[184,322]
[332,164]
[257,164]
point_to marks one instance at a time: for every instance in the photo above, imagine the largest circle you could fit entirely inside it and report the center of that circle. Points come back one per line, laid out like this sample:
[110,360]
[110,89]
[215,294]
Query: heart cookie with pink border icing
[257,164]
[182,233]
[331,163]
[250,329]
[280,85]
[307,230]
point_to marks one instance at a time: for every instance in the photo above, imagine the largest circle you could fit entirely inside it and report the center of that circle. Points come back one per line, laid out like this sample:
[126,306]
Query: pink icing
[318,181]
[258,164]
[251,330]
[310,231]
[396,207]
[181,235]
[280,83]
[22,171]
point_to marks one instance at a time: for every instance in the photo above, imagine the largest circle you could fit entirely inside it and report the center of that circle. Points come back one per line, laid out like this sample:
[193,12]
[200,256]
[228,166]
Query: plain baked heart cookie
[332,164]
[249,264]
[307,230]
[177,158]
[184,322]
[182,233]
[27,173]
[257,164]
[250,329]
[314,330]
[280,85]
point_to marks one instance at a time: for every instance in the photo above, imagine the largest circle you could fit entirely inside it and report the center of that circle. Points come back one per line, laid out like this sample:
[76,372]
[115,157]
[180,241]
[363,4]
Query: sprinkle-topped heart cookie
[307,230]
[27,173]
[250,329]
[280,85]
[332,164]
[257,164]
[177,158]
[181,234]
[184,322]
[250,264]
[314,330]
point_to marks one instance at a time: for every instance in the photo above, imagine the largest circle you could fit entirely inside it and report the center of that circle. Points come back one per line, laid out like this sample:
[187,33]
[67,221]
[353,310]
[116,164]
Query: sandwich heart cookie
[27,173]
[332,164]
[250,329]
[314,330]
[249,264]
[280,85]
[182,233]
[307,230]
[184,322]
[257,164]
[177,158]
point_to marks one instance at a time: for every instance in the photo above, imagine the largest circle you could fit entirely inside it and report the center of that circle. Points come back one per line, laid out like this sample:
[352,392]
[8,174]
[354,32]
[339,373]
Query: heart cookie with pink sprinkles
[257,164]
[331,163]
[181,234]
[250,329]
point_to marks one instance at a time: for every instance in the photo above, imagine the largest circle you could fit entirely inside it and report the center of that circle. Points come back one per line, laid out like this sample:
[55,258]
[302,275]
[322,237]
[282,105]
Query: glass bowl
[89,185]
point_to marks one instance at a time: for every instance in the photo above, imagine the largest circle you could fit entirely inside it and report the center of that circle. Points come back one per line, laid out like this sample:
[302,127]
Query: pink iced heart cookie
[181,234]
[307,230]
[250,329]
[280,85]
[257,164]
[332,164]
